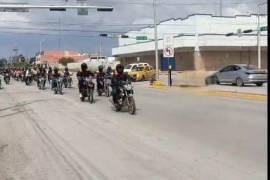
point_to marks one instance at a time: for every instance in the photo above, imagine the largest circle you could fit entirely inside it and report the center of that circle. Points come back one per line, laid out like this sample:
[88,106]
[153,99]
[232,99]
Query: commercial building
[52,57]
[200,42]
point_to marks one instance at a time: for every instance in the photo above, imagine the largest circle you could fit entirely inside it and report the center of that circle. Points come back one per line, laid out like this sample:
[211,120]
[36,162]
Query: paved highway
[176,135]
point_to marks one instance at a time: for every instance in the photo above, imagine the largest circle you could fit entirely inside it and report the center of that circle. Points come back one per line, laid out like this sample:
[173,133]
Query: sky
[41,29]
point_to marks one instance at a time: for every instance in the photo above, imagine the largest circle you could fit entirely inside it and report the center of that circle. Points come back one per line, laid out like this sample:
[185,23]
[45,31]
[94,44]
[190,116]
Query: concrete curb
[219,93]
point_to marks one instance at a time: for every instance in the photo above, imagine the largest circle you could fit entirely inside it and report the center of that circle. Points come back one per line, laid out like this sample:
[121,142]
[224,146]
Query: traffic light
[124,36]
[230,34]
[103,35]
[248,31]
[57,9]
[105,9]
[263,28]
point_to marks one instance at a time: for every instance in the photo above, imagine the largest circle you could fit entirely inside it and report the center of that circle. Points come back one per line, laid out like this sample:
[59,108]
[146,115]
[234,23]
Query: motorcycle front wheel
[91,96]
[131,106]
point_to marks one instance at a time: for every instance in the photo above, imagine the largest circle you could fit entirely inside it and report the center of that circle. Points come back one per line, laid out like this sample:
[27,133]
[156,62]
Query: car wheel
[239,82]
[215,80]
[143,78]
[259,84]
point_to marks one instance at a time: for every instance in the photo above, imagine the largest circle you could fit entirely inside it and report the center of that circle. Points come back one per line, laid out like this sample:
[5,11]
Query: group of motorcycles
[103,87]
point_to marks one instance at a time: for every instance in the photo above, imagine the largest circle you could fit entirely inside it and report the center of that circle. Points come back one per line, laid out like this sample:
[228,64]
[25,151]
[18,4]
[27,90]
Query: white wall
[198,24]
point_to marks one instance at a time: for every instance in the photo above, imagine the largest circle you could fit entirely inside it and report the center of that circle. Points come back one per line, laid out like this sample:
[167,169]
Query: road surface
[176,135]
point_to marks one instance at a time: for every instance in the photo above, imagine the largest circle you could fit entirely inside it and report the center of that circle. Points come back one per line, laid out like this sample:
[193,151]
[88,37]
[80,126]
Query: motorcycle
[88,90]
[41,83]
[67,81]
[126,98]
[100,86]
[7,78]
[58,86]
[108,87]
[28,80]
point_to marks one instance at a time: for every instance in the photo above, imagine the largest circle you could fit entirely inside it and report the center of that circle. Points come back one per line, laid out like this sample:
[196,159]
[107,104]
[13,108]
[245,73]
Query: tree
[3,62]
[64,61]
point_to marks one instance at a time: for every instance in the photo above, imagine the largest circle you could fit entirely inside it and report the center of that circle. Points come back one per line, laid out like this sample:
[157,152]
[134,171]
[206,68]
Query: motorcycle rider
[67,75]
[7,74]
[100,77]
[84,73]
[50,74]
[41,73]
[55,75]
[117,80]
[29,74]
[109,71]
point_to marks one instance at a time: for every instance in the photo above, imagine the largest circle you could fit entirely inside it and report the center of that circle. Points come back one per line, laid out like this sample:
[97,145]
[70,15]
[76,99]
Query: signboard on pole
[168,45]
[82,12]
[141,38]
[239,32]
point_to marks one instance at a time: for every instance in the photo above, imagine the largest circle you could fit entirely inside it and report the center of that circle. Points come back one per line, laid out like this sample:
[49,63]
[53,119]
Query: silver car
[238,74]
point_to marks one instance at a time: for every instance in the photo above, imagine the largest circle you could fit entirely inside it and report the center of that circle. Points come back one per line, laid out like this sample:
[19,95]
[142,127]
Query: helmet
[84,66]
[109,69]
[100,68]
[120,68]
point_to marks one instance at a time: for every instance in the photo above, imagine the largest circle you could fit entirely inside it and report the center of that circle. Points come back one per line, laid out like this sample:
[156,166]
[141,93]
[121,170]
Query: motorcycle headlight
[128,87]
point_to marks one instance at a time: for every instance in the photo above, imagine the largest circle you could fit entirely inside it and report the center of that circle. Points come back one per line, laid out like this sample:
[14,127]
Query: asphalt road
[175,135]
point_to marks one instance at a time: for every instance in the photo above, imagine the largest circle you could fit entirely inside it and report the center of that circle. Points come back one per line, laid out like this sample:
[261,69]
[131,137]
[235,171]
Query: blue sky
[25,30]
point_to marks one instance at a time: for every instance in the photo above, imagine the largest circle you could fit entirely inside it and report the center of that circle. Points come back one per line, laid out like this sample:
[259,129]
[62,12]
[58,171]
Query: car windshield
[250,67]
[139,68]
[128,66]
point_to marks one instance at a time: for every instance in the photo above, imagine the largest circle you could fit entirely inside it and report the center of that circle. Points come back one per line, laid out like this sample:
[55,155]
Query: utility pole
[99,53]
[220,7]
[59,35]
[156,39]
[259,35]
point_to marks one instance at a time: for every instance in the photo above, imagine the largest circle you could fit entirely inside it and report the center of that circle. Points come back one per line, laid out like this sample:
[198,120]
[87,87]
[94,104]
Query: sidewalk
[197,79]
[186,78]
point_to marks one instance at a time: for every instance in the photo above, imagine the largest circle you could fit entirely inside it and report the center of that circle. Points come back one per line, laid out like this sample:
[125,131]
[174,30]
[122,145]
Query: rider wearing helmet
[83,74]
[41,73]
[100,76]
[117,78]
[50,71]
[66,72]
[55,75]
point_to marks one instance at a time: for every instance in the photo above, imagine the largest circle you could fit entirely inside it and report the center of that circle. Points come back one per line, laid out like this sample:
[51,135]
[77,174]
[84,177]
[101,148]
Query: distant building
[52,57]
[199,42]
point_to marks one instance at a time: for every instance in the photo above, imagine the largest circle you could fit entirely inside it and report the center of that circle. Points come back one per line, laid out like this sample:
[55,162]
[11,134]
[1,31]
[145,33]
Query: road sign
[141,38]
[263,28]
[82,12]
[168,46]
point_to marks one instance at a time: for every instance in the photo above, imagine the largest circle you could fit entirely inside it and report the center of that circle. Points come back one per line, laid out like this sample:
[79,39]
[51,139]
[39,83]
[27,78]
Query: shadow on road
[24,104]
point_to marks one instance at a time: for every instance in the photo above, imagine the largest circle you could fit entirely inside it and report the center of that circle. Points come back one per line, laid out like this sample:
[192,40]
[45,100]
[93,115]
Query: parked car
[128,68]
[142,73]
[238,74]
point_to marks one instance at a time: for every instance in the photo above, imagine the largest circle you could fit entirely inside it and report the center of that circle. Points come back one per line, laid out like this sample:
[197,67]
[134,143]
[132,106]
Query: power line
[121,25]
[174,3]
[47,34]
[62,30]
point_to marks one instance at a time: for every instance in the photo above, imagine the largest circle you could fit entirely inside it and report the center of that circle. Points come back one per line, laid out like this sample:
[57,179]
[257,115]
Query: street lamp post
[40,45]
[156,38]
[99,53]
[259,35]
